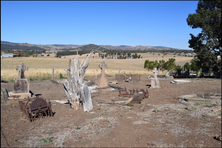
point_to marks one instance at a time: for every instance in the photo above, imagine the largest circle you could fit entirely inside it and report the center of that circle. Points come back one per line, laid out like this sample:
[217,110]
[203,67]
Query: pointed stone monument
[102,78]
[154,81]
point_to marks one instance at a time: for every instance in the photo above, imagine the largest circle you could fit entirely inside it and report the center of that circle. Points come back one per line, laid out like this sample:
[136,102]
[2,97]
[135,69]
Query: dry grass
[42,66]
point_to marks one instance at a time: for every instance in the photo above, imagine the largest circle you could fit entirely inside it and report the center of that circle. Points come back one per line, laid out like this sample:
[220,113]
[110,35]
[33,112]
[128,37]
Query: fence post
[52,74]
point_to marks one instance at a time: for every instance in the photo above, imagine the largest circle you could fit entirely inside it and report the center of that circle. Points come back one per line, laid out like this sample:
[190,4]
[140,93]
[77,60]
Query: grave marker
[102,78]
[155,82]
[21,84]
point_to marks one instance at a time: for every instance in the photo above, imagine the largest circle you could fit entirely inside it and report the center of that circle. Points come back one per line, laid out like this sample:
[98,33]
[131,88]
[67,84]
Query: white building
[7,55]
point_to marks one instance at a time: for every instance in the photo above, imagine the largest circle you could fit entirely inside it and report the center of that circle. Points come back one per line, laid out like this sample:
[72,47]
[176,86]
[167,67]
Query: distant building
[7,55]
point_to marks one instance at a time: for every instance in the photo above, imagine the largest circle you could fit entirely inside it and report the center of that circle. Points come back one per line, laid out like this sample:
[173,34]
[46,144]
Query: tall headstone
[86,98]
[119,71]
[102,78]
[21,84]
[155,82]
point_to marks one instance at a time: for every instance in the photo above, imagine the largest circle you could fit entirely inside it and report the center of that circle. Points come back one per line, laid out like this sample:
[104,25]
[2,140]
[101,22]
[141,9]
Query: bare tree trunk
[74,85]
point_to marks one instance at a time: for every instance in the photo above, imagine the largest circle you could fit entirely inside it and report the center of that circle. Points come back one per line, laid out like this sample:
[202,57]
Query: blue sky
[146,23]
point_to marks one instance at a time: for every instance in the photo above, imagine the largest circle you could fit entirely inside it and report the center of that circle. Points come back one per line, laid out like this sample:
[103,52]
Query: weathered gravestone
[154,81]
[86,98]
[21,84]
[102,78]
[119,71]
[167,74]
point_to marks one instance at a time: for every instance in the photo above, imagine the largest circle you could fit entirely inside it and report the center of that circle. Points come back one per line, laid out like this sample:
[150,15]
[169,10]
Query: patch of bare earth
[160,120]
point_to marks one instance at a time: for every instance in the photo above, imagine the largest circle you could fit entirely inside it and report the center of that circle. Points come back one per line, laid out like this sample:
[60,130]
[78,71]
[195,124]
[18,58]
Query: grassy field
[41,67]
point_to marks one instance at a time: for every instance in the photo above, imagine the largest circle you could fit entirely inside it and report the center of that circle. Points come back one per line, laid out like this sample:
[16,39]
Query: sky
[132,23]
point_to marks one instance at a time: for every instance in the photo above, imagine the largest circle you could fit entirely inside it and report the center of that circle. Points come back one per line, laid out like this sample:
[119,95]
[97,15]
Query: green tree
[129,54]
[170,64]
[186,66]
[150,65]
[178,67]
[207,44]
[162,65]
[194,66]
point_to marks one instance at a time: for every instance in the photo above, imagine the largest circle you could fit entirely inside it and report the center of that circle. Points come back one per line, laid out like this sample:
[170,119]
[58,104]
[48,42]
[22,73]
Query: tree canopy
[207,44]
[208,18]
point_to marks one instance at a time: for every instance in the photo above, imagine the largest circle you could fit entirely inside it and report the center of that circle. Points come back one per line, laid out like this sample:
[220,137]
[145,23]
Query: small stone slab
[187,96]
[202,101]
[137,98]
[194,98]
[180,81]
[17,95]
[86,97]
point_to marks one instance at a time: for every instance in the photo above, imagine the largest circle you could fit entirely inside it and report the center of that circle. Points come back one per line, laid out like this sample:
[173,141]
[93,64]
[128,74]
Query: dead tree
[76,90]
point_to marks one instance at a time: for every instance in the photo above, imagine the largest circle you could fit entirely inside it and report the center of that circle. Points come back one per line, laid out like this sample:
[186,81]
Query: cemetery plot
[161,120]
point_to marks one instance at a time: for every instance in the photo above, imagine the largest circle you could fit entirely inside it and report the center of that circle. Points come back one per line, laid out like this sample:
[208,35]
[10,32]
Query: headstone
[167,74]
[119,71]
[86,98]
[155,82]
[21,70]
[21,84]
[102,78]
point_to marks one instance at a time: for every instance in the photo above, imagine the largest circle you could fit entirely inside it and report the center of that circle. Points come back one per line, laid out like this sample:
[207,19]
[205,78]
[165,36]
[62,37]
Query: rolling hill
[59,47]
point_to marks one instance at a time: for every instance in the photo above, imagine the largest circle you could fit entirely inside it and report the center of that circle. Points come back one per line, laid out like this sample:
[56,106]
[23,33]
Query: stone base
[155,87]
[21,85]
[18,95]
[102,89]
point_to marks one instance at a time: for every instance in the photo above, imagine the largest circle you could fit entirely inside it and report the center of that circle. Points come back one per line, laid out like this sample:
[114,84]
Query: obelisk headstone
[102,78]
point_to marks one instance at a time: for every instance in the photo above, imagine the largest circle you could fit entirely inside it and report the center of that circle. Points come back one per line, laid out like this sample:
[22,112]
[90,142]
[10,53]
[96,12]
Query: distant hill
[14,46]
[25,46]
[124,47]
[5,45]
[90,47]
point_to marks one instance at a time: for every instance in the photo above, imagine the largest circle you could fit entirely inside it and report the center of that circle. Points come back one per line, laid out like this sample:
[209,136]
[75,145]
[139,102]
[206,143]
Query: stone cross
[155,72]
[155,82]
[21,70]
[102,66]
